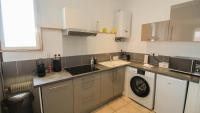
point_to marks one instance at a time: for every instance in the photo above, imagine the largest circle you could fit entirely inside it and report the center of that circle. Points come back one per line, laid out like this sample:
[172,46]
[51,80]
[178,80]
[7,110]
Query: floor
[122,105]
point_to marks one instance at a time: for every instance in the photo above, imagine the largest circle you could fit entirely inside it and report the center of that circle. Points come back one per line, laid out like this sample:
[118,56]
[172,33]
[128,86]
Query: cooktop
[81,69]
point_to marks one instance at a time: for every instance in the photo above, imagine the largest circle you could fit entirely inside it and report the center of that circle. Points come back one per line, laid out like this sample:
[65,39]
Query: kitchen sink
[114,63]
[148,66]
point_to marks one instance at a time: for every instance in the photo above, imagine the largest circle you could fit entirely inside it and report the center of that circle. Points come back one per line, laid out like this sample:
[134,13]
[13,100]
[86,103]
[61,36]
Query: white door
[170,95]
[193,98]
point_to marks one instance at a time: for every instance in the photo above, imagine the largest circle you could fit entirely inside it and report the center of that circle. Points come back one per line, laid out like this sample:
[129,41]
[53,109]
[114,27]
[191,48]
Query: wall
[50,15]
[144,11]
[147,11]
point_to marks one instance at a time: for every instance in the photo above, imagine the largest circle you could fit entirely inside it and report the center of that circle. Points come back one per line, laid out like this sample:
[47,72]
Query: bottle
[97,26]
[41,70]
[57,66]
[95,60]
[92,61]
[49,68]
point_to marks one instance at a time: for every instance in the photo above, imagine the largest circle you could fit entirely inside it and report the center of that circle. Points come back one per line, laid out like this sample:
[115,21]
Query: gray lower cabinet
[119,77]
[86,93]
[107,80]
[112,83]
[58,97]
[83,94]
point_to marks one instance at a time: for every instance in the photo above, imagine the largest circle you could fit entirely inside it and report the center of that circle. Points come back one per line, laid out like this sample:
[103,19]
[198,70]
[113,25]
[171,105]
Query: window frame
[39,45]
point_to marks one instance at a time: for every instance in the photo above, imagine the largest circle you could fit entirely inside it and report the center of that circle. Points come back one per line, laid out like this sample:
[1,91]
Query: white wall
[144,11]
[147,11]
[50,15]
[102,43]
[103,11]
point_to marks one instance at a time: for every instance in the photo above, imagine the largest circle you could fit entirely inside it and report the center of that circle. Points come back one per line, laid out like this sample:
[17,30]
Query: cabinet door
[86,93]
[193,100]
[58,97]
[119,77]
[170,95]
[157,31]
[185,21]
[106,85]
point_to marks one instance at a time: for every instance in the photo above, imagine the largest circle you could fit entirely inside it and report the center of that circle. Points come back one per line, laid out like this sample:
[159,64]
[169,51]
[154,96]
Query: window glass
[19,27]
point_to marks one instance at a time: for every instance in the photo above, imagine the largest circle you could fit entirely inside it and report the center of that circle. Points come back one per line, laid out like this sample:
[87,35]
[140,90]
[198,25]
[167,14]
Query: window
[19,25]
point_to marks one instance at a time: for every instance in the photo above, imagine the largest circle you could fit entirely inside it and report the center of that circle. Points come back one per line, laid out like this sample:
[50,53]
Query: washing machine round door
[140,86]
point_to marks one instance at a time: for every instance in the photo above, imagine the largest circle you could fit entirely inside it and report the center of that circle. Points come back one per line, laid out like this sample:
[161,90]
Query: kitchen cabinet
[123,24]
[107,89]
[193,100]
[119,77]
[74,18]
[112,83]
[86,93]
[157,31]
[170,94]
[49,14]
[58,97]
[185,21]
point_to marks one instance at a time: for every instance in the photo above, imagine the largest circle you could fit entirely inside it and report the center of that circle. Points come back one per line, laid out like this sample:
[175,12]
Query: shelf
[106,33]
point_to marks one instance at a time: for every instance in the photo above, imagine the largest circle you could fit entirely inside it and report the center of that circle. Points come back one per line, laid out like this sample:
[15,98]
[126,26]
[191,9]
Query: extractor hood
[77,23]
[78,32]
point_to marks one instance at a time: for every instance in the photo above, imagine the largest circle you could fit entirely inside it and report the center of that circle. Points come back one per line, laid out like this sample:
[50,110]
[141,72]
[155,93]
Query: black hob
[81,69]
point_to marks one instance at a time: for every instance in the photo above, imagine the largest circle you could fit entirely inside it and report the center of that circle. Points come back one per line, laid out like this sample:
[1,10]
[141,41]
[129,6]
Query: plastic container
[18,103]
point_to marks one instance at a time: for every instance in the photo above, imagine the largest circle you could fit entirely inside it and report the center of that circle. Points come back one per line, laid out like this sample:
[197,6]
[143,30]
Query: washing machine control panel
[140,71]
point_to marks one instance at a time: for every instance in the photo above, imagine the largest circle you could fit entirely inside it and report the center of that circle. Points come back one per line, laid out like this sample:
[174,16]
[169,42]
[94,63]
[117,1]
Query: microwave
[185,65]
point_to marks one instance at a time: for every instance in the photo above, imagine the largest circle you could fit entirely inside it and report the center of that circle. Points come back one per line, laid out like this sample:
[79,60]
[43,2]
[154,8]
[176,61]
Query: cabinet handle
[172,28]
[92,78]
[115,75]
[59,86]
[88,85]
[169,83]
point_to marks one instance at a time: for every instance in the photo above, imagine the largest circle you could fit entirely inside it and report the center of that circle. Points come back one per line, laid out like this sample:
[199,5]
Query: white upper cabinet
[77,19]
[123,24]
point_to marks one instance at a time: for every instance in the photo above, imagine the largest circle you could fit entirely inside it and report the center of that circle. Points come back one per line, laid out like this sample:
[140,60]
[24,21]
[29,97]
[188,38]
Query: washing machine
[141,87]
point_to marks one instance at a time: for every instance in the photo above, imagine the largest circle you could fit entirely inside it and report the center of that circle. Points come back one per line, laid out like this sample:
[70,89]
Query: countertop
[61,76]
[64,75]
[167,72]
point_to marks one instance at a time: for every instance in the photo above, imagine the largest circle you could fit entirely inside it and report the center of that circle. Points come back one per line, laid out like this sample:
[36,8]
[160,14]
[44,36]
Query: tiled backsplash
[156,59]
[18,71]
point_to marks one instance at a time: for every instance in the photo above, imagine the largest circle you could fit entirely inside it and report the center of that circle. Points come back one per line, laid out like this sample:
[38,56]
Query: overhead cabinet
[184,25]
[185,22]
[78,23]
[157,31]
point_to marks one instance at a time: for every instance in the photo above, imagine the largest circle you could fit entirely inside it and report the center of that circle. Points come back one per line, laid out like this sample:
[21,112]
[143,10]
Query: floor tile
[123,105]
[128,100]
[117,104]
[104,109]
[128,109]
